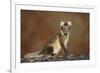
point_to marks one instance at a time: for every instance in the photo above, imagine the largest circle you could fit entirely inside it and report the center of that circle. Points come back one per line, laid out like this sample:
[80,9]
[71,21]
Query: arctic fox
[54,46]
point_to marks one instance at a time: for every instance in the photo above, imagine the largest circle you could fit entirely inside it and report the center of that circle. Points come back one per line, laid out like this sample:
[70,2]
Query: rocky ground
[47,59]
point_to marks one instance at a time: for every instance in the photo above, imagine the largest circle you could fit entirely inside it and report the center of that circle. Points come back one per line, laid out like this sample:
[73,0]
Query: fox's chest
[64,40]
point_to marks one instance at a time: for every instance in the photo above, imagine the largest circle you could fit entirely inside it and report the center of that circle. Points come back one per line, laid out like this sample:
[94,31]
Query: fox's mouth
[65,33]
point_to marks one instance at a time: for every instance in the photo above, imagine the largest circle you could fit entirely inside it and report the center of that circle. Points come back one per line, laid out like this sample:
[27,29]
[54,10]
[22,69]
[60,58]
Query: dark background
[37,27]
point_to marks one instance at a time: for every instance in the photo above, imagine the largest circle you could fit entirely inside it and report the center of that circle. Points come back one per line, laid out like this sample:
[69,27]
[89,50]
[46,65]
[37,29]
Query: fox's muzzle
[65,34]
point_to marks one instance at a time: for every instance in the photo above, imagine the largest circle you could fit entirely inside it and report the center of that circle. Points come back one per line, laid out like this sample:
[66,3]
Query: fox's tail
[33,55]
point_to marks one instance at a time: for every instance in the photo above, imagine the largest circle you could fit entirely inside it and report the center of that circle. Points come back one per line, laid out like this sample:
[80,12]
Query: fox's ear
[69,23]
[61,23]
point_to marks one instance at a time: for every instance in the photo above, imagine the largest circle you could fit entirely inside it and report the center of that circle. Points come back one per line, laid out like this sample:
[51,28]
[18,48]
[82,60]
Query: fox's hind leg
[47,51]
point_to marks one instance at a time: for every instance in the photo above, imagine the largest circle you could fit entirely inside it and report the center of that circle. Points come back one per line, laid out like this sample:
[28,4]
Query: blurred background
[38,27]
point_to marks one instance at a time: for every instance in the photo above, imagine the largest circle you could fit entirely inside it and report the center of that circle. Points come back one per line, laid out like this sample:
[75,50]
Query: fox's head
[65,27]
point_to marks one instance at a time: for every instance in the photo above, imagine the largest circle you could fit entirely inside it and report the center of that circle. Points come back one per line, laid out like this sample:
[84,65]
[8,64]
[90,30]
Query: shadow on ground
[48,59]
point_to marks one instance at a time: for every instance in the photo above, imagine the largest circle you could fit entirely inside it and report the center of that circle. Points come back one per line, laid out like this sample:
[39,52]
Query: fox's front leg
[65,51]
